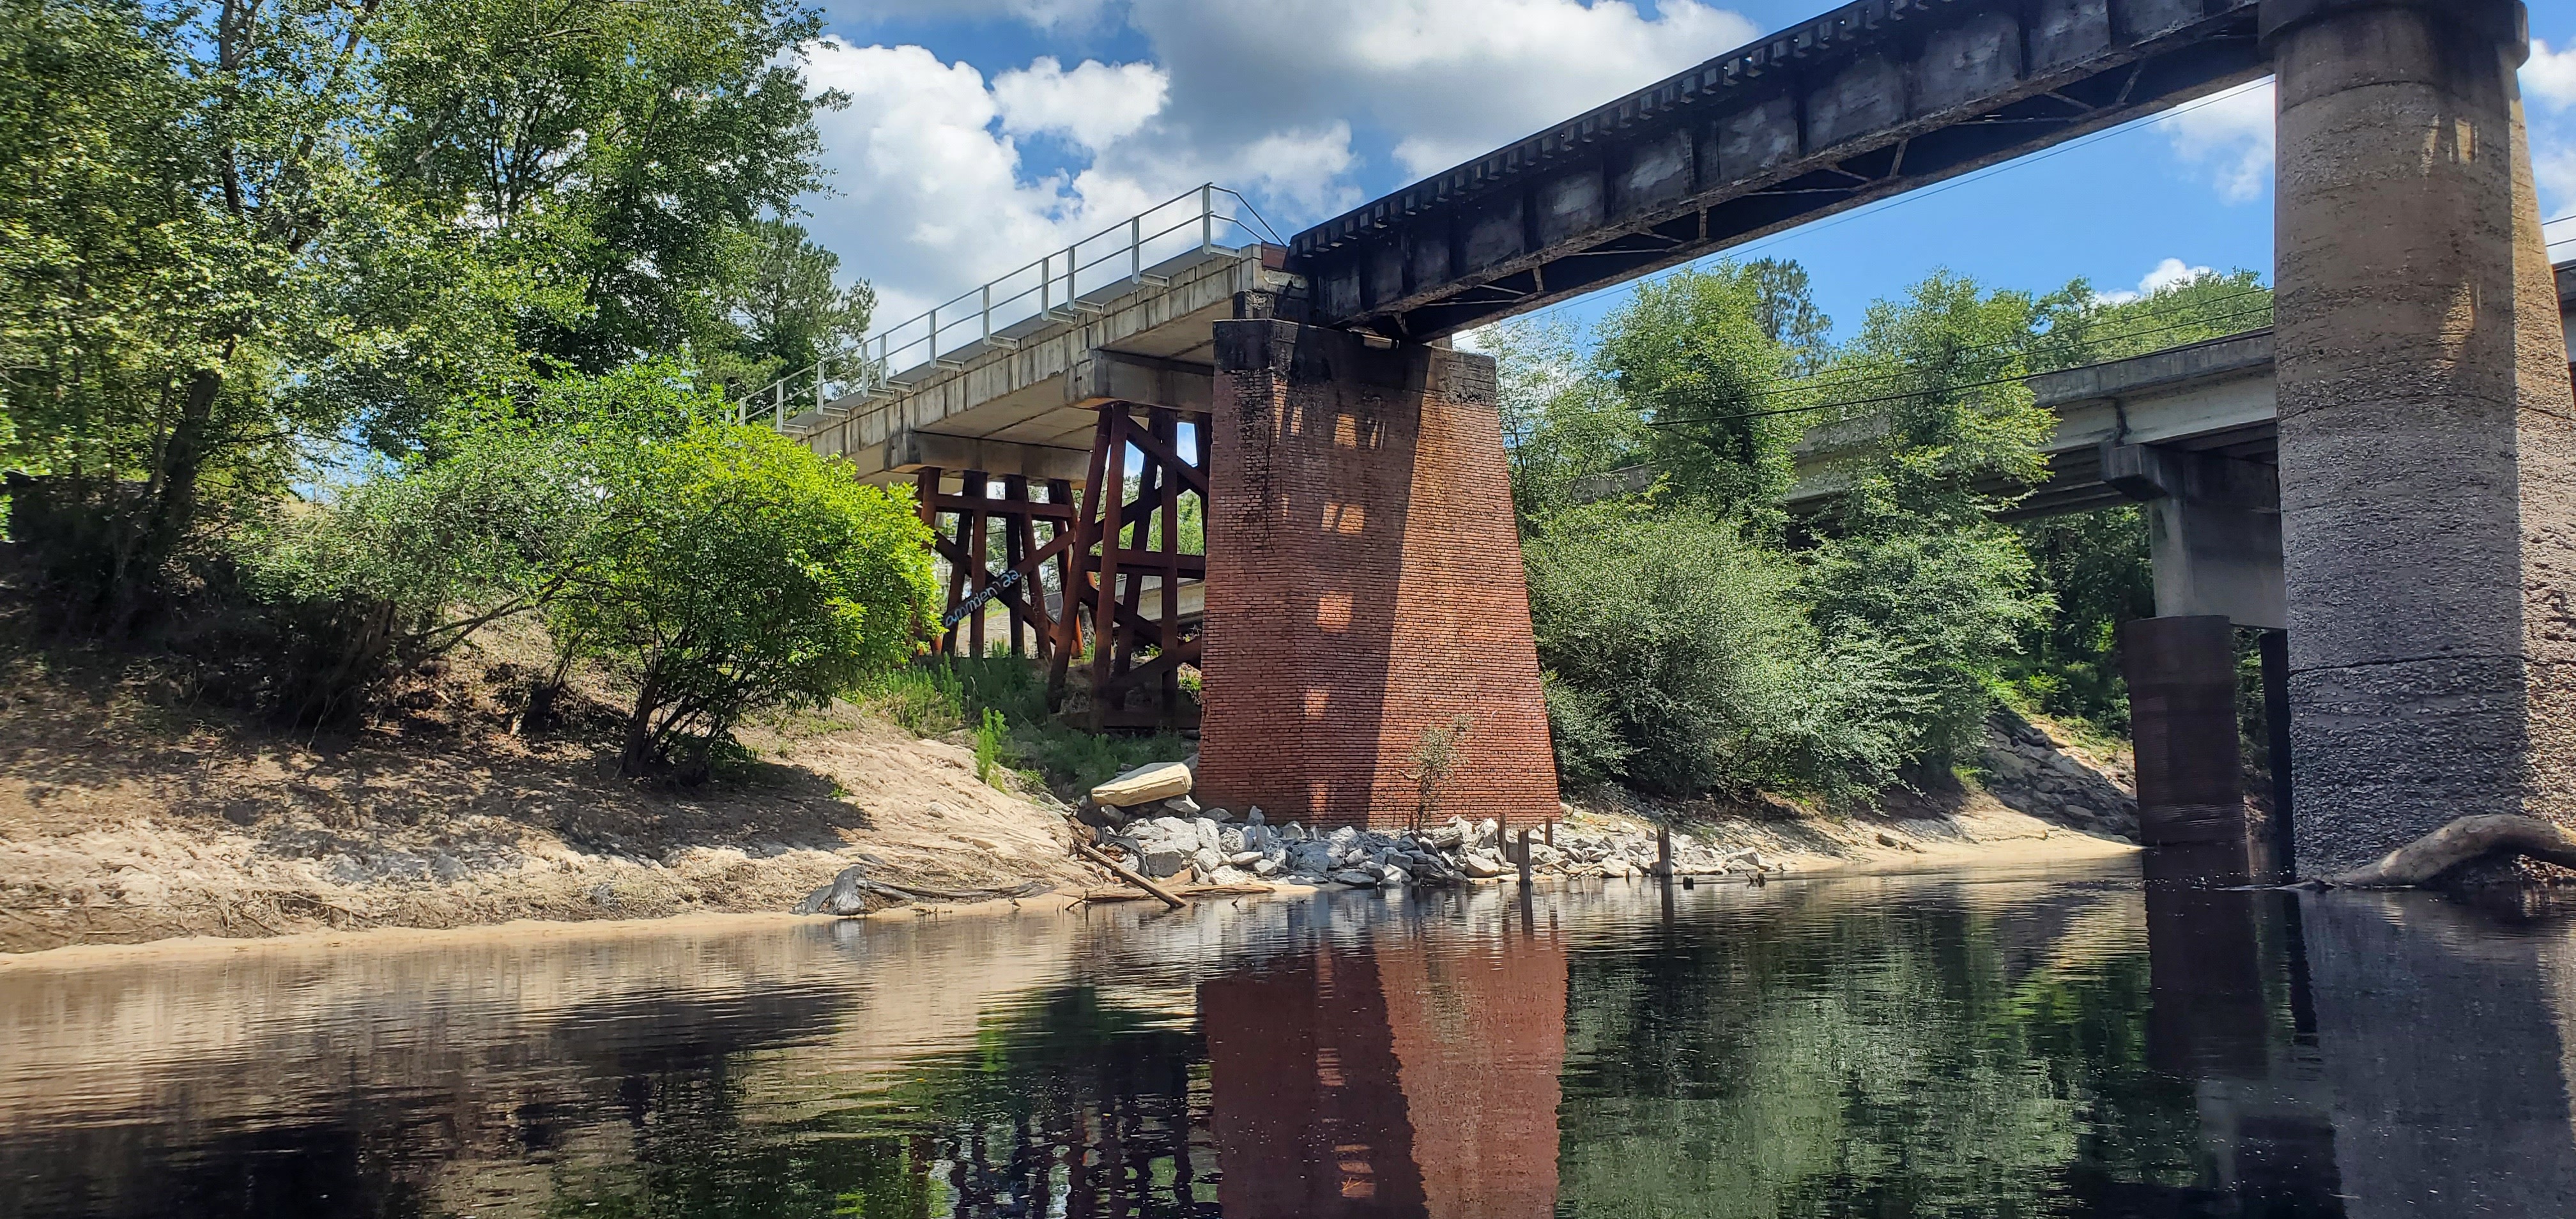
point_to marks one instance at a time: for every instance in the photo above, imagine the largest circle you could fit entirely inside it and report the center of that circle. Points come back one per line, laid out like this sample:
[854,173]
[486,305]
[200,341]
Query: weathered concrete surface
[1364,584]
[1023,401]
[2213,531]
[2206,398]
[2182,712]
[2428,458]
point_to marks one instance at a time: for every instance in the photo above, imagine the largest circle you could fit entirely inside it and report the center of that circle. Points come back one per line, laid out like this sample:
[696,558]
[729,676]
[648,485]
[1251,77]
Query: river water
[2074,1042]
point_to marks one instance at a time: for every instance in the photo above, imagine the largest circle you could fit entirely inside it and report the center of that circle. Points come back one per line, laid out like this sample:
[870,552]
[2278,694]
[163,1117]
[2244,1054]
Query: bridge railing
[1064,285]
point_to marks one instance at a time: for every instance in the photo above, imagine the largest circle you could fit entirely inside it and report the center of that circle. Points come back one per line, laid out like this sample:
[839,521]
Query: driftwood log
[2463,841]
[1123,872]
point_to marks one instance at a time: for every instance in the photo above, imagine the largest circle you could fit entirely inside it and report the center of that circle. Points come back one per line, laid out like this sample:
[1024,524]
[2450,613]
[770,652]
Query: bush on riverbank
[1696,639]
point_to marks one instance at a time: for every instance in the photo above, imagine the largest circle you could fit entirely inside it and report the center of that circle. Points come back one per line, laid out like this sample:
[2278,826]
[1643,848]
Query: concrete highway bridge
[1360,575]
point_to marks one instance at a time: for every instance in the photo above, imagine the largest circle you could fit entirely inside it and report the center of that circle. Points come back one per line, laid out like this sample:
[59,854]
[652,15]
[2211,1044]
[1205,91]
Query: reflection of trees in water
[1923,1060]
[1066,1102]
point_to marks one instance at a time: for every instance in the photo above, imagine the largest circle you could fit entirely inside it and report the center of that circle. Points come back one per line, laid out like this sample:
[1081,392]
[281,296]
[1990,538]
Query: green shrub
[1668,633]
[988,744]
[924,699]
[744,572]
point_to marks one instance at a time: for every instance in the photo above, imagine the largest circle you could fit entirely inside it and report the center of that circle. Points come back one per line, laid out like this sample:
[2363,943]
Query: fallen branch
[1122,872]
[2463,841]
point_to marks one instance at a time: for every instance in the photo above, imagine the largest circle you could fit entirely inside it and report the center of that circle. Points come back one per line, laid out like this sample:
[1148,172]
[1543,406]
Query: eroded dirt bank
[125,820]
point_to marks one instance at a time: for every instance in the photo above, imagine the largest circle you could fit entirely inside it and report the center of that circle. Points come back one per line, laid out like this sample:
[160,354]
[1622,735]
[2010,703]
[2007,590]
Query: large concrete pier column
[1366,608]
[2428,459]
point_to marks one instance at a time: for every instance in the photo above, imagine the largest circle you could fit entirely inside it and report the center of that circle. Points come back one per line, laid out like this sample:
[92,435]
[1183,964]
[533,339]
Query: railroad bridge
[1295,403]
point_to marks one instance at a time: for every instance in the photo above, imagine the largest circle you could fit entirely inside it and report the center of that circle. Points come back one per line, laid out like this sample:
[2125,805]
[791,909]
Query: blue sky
[983,132]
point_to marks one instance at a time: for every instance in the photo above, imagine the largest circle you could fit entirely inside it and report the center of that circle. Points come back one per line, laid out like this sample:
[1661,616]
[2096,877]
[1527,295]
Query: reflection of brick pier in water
[1413,1077]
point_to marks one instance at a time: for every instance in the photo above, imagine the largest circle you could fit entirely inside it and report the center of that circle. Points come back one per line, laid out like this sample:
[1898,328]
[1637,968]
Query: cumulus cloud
[1450,78]
[926,197]
[1091,105]
[2228,139]
[2549,76]
[932,192]
[2169,274]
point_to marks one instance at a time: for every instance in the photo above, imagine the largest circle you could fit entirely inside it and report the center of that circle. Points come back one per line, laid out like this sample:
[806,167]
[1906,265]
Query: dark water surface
[2006,1044]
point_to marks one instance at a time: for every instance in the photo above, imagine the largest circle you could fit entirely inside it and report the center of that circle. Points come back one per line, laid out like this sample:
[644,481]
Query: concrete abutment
[2428,458]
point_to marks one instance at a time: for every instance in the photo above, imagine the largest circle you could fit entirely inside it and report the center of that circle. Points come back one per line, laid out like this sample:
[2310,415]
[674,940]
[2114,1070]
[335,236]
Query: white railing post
[1136,249]
[988,313]
[818,387]
[934,332]
[1207,217]
[1046,283]
[1072,268]
[778,406]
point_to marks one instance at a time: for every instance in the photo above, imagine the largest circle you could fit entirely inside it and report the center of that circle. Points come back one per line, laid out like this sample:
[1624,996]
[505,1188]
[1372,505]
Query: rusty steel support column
[2182,715]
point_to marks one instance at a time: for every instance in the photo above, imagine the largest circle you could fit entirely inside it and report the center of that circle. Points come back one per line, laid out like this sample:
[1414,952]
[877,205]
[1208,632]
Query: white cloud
[2229,138]
[1092,105]
[931,193]
[926,197]
[2549,77]
[1449,78]
[930,196]
[2169,274]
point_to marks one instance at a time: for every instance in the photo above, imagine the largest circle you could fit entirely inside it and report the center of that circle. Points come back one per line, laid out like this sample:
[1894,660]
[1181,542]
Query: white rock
[1392,874]
[1145,785]
[1228,875]
[1231,840]
[1243,859]
[1207,861]
[1266,867]
[1484,866]
[1183,806]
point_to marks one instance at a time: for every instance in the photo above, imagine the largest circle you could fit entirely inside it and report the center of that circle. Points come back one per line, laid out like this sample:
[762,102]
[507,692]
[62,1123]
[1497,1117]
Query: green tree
[1948,435]
[747,572]
[1560,420]
[791,312]
[636,143]
[233,236]
[1669,641]
[402,567]
[1693,355]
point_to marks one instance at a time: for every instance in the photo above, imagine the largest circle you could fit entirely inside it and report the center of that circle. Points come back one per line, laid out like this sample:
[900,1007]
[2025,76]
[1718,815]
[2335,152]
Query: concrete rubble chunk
[1145,785]
[1356,878]
[1159,864]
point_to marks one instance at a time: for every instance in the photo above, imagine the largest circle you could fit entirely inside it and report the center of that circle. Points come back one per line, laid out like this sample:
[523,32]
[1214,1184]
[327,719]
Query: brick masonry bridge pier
[1360,590]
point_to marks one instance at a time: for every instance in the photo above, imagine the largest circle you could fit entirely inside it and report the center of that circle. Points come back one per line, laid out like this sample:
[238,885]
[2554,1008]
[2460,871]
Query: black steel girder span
[1868,101]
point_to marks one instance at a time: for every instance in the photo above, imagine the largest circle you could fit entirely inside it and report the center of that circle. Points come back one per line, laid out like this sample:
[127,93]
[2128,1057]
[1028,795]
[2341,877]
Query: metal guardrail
[1053,288]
